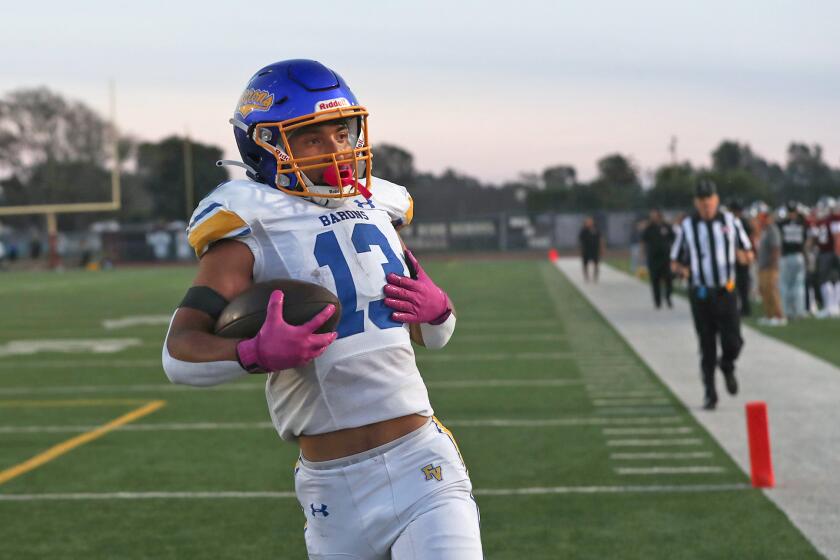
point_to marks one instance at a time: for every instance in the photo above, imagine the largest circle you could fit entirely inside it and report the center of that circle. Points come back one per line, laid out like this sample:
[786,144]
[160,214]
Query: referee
[708,245]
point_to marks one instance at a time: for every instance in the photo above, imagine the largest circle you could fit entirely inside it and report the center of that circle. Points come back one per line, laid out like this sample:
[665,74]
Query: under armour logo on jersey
[322,510]
[432,471]
[362,203]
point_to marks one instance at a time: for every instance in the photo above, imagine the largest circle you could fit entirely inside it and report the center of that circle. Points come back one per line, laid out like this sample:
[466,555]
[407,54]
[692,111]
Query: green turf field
[575,449]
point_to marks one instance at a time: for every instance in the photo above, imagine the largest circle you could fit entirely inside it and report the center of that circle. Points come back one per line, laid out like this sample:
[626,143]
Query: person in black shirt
[707,246]
[591,244]
[794,232]
[658,236]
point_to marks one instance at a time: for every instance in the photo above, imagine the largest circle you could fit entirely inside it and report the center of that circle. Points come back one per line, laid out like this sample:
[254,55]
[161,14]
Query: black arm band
[204,299]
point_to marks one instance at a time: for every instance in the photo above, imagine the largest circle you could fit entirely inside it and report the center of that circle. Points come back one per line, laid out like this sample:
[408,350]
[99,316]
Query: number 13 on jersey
[328,253]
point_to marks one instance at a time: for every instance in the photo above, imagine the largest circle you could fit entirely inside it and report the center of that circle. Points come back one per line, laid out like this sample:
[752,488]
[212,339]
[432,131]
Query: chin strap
[234,163]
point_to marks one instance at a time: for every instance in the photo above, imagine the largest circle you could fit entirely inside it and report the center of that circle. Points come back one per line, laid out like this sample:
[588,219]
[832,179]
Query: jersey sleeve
[213,221]
[678,248]
[741,237]
[395,200]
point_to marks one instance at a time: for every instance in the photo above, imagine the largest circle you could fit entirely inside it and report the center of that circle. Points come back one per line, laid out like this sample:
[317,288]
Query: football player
[378,476]
[827,233]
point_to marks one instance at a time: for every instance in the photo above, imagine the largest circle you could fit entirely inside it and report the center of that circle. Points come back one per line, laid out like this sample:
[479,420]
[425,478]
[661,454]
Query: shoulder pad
[394,199]
[225,213]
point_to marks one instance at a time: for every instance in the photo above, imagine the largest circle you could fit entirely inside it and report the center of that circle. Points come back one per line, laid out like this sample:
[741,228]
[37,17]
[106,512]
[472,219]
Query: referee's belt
[701,292]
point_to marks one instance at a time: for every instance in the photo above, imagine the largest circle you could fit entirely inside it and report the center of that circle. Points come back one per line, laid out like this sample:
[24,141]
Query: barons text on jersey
[341,215]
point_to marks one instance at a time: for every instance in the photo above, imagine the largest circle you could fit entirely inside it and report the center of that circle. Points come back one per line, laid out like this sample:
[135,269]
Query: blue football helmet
[284,97]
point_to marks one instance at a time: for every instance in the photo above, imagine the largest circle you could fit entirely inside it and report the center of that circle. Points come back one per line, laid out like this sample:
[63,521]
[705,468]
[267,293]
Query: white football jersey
[369,374]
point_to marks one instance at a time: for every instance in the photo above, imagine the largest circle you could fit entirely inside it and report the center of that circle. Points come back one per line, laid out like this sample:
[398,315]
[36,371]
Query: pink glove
[279,345]
[416,301]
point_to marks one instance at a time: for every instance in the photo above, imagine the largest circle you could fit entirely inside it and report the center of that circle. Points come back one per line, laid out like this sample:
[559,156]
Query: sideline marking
[66,446]
[534,491]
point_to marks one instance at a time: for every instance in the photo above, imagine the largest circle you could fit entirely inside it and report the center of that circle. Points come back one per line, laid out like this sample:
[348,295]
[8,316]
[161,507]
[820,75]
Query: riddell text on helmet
[331,104]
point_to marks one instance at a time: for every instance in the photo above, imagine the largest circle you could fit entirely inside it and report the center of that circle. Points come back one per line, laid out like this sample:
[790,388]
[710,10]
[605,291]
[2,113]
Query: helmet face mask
[273,137]
[286,98]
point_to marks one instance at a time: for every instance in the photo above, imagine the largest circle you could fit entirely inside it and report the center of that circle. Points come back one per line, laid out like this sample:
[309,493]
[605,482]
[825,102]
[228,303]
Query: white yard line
[597,394]
[631,410]
[72,366]
[486,423]
[649,471]
[660,456]
[492,357]
[140,388]
[585,421]
[646,431]
[136,321]
[653,442]
[172,426]
[508,337]
[629,402]
[468,324]
[479,383]
[250,386]
[530,491]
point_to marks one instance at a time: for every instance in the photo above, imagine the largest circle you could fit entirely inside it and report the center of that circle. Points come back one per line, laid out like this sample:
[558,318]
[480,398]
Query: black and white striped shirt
[709,248]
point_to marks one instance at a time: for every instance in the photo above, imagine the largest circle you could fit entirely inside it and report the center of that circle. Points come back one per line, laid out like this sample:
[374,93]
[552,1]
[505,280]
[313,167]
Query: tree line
[55,150]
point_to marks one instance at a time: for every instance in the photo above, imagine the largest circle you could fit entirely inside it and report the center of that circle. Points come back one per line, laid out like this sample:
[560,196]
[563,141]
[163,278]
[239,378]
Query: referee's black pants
[716,316]
[659,271]
[742,283]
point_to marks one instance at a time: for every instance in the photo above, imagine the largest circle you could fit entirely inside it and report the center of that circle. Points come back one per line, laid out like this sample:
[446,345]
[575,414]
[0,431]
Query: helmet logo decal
[254,100]
[331,104]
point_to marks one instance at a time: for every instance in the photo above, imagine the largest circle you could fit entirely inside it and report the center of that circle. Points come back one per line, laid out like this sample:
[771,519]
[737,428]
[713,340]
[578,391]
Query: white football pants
[410,499]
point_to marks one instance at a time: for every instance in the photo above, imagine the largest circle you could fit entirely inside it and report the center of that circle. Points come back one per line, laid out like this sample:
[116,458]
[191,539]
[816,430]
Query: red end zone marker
[552,255]
[758,431]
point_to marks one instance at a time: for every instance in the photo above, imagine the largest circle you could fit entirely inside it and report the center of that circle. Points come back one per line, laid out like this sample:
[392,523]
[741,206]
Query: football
[243,317]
